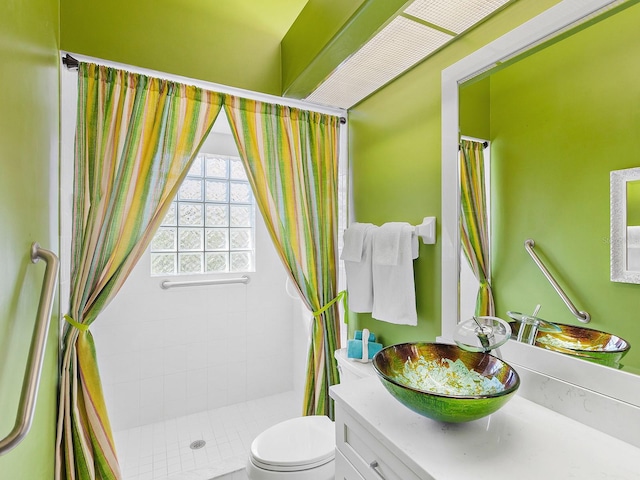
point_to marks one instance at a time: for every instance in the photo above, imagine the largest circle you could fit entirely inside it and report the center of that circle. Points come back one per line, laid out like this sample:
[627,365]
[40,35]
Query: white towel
[394,295]
[356,254]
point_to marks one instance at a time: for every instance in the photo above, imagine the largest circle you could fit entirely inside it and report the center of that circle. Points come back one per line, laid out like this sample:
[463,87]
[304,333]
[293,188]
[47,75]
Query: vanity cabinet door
[344,470]
[367,455]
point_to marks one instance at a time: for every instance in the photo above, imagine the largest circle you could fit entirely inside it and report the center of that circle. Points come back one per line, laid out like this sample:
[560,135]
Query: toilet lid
[297,444]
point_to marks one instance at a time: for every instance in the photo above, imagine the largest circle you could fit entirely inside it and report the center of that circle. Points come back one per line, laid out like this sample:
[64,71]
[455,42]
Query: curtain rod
[72,64]
[484,142]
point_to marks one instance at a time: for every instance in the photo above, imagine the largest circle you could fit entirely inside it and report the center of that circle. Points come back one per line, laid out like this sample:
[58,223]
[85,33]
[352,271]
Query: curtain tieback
[341,296]
[80,326]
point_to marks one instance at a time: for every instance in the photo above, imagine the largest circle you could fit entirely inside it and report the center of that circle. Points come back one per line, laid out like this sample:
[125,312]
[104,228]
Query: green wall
[561,120]
[231,42]
[29,136]
[394,148]
[475,108]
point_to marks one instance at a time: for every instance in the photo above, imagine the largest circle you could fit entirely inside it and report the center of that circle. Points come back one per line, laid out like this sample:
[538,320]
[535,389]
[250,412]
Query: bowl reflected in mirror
[445,382]
[586,343]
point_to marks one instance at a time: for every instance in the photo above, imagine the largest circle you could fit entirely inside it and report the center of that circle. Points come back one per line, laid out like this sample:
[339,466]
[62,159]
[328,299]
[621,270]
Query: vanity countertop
[522,440]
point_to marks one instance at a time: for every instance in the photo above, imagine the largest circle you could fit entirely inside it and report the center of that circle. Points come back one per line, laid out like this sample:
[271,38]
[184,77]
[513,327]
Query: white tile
[175,388]
[238,348]
[175,408]
[197,354]
[151,391]
[108,366]
[197,383]
[125,418]
[222,326]
[237,322]
[237,374]
[217,378]
[126,395]
[175,359]
[154,335]
[218,352]
[217,398]
[195,327]
[152,363]
[175,332]
[237,394]
[153,412]
[126,367]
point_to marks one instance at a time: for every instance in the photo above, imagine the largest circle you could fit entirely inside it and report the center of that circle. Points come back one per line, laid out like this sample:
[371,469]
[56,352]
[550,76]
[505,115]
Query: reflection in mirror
[557,123]
[625,225]
[469,284]
[633,225]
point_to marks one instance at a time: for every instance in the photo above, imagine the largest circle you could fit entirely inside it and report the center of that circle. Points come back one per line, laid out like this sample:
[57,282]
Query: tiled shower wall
[166,353]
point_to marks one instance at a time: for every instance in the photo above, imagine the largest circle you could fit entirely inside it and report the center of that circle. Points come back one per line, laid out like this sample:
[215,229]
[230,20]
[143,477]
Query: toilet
[302,448]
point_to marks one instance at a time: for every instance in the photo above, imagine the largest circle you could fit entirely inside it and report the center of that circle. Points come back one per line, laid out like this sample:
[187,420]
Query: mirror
[625,225]
[539,193]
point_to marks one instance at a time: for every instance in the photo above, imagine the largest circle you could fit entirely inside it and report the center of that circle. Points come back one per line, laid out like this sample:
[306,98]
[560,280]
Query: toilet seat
[298,444]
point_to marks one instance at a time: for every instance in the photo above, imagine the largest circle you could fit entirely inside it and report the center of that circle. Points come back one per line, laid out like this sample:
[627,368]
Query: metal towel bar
[31,382]
[196,283]
[584,317]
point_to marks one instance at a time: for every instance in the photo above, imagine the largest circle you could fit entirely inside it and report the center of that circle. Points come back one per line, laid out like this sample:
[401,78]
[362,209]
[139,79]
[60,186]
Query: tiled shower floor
[160,451]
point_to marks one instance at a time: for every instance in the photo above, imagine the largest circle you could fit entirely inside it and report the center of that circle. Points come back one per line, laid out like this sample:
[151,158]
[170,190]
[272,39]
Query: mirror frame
[618,240]
[618,384]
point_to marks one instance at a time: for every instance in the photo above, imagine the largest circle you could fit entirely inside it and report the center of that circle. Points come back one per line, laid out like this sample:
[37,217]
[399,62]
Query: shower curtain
[474,224]
[136,138]
[291,158]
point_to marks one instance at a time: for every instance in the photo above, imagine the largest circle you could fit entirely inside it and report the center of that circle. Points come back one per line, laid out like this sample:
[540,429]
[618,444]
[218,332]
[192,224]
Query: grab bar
[31,382]
[584,317]
[196,283]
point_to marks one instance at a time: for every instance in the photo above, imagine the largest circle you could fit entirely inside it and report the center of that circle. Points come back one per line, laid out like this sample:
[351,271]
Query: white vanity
[379,438]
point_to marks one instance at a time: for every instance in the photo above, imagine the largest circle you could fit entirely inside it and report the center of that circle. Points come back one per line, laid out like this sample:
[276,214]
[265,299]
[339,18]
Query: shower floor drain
[197,444]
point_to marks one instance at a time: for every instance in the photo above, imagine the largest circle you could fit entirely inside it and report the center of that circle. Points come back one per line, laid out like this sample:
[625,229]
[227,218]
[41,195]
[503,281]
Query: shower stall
[192,374]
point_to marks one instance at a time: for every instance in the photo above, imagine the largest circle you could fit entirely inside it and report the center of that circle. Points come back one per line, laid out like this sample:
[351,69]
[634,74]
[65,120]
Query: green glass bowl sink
[444,382]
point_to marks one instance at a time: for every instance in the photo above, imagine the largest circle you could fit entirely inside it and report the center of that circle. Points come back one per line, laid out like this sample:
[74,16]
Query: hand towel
[394,297]
[354,241]
[356,254]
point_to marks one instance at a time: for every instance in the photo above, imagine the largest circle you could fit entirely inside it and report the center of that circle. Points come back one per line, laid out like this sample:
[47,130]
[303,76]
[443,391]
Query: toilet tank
[351,370]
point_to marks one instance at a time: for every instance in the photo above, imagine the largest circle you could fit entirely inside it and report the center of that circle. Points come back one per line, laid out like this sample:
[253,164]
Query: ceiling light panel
[396,48]
[454,15]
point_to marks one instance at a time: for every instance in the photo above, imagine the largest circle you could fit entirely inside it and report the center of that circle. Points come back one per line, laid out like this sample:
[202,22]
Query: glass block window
[210,225]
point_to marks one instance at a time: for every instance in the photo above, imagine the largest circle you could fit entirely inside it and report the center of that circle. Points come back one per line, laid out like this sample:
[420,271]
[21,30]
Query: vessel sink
[587,343]
[445,382]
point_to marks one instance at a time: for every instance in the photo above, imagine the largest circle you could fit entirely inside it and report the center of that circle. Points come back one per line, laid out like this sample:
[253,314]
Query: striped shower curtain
[291,158]
[136,138]
[474,225]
